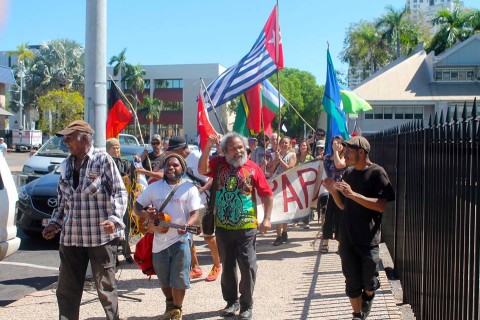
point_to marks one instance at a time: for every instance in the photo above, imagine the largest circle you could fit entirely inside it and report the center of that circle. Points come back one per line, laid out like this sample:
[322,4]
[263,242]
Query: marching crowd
[182,184]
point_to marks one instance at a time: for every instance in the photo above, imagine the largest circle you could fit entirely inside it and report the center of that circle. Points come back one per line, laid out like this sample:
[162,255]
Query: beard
[237,163]
[172,180]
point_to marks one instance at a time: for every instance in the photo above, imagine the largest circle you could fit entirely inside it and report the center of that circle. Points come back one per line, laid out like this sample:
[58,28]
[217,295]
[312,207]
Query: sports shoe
[278,241]
[285,236]
[212,276]
[196,272]
[246,314]
[176,314]
[231,309]
[357,316]
[169,307]
[367,304]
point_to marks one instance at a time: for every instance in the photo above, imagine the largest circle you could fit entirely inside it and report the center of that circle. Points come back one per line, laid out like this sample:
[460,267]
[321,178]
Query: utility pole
[96,69]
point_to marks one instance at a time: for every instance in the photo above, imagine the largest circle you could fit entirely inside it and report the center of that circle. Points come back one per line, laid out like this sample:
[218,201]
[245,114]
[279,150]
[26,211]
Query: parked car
[9,243]
[38,198]
[52,153]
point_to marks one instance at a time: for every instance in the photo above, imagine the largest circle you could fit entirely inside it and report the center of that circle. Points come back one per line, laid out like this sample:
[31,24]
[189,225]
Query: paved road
[35,265]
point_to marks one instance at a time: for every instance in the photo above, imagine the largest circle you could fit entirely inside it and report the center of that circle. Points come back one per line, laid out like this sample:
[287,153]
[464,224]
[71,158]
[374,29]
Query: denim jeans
[172,265]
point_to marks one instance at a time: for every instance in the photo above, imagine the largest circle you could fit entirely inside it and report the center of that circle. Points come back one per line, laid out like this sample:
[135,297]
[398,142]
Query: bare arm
[268,206]
[337,159]
[203,167]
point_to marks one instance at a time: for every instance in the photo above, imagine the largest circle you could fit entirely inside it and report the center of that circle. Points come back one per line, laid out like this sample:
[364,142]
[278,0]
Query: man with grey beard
[236,179]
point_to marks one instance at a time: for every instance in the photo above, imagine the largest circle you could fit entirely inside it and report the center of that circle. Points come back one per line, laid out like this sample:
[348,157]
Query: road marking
[29,265]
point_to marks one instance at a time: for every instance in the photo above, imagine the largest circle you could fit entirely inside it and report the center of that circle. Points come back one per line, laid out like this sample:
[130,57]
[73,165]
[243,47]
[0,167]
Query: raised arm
[203,167]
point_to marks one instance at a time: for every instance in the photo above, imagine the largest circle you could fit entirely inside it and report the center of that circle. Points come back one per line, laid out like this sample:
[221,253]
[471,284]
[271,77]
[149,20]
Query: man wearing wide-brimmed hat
[91,203]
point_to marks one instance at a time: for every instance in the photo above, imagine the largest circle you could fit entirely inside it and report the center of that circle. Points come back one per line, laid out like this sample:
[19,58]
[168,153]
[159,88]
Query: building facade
[421,85]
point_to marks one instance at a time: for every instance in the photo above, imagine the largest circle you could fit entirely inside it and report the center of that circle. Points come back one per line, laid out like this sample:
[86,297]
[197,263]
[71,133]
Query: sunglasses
[155,143]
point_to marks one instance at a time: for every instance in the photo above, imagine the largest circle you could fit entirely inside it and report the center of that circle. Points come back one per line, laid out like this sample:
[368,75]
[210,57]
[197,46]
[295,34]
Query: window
[369,114]
[399,113]
[387,112]
[408,112]
[378,113]
[169,83]
[147,84]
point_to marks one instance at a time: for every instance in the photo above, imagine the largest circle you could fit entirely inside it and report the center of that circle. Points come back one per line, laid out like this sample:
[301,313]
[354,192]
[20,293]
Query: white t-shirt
[185,200]
[3,147]
[192,164]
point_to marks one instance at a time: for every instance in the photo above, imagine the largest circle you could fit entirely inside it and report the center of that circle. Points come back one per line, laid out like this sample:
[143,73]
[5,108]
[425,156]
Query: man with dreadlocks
[171,249]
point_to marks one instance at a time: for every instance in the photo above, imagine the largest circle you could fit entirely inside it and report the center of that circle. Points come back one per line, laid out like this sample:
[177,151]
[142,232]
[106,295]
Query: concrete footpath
[295,281]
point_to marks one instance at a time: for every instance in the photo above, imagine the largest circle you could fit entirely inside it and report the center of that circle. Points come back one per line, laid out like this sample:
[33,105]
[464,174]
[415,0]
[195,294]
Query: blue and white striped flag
[265,57]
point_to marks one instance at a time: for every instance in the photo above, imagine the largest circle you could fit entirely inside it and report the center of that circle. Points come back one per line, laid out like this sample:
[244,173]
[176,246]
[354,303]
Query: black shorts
[360,268]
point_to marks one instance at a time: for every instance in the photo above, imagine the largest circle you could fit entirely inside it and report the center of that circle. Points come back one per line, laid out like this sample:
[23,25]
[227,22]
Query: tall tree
[120,66]
[135,84]
[301,91]
[391,25]
[364,48]
[152,108]
[454,27]
[24,53]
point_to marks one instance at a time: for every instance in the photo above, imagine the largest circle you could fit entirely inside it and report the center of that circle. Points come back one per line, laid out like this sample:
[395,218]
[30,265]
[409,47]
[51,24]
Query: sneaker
[357,316]
[169,307]
[196,272]
[285,236]
[277,241]
[367,304]
[307,226]
[176,314]
[246,314]
[231,309]
[213,275]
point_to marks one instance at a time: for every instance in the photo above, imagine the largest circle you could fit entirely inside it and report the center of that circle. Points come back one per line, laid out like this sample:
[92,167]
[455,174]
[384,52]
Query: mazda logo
[52,202]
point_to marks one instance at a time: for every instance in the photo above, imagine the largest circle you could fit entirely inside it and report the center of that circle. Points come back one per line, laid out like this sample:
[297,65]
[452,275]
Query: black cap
[176,142]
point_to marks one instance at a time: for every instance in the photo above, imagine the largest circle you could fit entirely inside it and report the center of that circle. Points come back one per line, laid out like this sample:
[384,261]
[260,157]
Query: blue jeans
[172,265]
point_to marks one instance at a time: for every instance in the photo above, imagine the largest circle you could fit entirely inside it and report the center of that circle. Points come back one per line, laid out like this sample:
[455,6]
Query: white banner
[293,192]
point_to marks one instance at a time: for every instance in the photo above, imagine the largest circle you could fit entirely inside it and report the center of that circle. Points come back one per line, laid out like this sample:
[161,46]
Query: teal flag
[332,103]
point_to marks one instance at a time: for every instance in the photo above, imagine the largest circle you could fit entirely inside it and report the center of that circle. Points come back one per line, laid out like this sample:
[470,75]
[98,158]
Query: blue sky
[192,31]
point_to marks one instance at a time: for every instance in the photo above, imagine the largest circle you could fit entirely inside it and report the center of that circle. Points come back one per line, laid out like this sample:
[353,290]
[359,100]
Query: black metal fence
[433,228]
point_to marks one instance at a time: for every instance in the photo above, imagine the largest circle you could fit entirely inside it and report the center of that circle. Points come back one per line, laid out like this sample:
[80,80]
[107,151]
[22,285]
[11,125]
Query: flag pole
[210,100]
[136,117]
[298,114]
[277,40]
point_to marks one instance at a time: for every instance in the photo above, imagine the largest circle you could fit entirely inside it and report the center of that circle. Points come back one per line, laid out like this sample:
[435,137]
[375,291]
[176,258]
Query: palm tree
[392,25]
[135,83]
[24,56]
[364,48]
[153,107]
[120,65]
[454,28]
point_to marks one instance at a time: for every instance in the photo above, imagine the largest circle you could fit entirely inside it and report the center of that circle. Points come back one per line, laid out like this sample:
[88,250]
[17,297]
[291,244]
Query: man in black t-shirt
[156,157]
[362,195]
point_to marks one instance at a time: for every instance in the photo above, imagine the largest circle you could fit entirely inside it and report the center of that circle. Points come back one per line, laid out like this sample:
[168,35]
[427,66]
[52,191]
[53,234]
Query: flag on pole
[204,126]
[352,103]
[265,57]
[332,103]
[118,116]
[254,99]
[240,124]
[271,105]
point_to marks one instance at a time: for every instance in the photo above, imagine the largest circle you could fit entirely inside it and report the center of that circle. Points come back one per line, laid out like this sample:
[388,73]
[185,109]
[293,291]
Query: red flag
[118,115]
[254,101]
[204,127]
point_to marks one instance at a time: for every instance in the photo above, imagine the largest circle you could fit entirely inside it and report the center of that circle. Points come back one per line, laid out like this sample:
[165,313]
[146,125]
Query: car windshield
[54,148]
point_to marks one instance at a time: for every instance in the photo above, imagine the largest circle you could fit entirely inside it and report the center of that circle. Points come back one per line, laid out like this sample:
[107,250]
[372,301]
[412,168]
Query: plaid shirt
[99,196]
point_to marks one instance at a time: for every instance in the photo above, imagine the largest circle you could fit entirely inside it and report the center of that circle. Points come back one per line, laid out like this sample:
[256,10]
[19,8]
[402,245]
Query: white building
[421,85]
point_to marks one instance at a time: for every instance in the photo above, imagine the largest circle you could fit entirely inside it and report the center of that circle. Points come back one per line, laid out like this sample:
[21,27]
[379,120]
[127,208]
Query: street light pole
[21,75]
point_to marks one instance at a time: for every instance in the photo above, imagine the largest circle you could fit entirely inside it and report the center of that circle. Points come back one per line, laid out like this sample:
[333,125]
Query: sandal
[324,248]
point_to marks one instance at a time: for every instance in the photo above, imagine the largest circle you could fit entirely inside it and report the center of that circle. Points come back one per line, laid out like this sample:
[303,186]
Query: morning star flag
[265,57]
[204,126]
[118,116]
[332,103]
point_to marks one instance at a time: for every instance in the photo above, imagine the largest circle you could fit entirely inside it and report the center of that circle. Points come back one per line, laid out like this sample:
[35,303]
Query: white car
[52,153]
[9,243]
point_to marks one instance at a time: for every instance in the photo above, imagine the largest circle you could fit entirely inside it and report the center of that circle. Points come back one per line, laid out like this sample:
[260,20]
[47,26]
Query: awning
[4,112]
